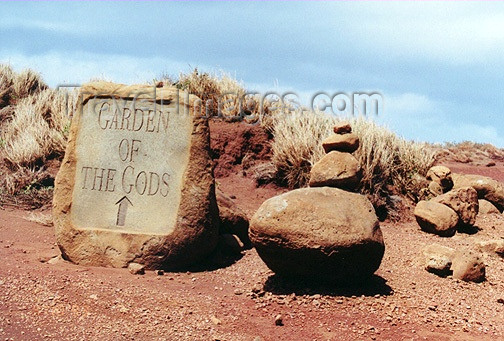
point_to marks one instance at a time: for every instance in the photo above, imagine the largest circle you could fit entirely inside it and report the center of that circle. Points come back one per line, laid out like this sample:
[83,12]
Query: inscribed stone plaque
[136,183]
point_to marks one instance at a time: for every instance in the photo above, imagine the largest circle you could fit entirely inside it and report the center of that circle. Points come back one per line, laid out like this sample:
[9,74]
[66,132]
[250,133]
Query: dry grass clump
[25,187]
[297,144]
[221,95]
[34,123]
[6,82]
[27,83]
[390,164]
[37,130]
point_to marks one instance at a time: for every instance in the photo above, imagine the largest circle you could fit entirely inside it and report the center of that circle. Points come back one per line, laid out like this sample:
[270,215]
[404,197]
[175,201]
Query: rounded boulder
[464,201]
[336,169]
[436,218]
[319,233]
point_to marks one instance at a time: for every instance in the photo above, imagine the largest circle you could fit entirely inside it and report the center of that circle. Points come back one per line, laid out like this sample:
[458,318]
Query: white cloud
[453,33]
[79,67]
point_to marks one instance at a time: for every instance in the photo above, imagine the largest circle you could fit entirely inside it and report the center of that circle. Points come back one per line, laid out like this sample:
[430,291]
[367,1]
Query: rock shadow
[278,285]
[214,261]
[468,229]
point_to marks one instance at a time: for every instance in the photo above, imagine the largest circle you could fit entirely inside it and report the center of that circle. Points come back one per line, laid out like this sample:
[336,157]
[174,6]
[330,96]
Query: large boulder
[319,233]
[336,169]
[441,175]
[347,143]
[464,201]
[486,207]
[487,188]
[436,218]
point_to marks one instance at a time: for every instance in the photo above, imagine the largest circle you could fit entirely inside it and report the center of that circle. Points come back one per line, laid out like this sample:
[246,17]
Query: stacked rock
[338,168]
[322,233]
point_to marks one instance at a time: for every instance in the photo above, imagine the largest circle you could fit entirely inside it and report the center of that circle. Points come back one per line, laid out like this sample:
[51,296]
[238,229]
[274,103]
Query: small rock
[238,292]
[433,217]
[438,259]
[441,175]
[278,320]
[486,207]
[230,244]
[136,269]
[160,272]
[491,246]
[347,143]
[342,128]
[487,188]
[435,188]
[55,260]
[500,300]
[468,266]
[215,320]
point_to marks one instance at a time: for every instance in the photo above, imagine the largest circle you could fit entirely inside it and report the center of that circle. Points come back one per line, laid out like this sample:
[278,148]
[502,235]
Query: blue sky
[439,65]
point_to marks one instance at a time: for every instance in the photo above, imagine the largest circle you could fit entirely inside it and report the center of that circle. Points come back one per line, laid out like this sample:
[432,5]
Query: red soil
[40,301]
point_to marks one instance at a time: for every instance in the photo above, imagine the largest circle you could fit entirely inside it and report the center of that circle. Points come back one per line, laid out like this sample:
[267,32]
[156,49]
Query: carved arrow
[122,210]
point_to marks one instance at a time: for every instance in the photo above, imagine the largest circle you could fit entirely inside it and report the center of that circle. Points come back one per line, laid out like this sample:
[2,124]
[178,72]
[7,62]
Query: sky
[439,66]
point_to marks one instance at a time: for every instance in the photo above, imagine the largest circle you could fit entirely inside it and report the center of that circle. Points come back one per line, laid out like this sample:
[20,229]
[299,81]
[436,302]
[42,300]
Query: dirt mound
[469,153]
[238,146]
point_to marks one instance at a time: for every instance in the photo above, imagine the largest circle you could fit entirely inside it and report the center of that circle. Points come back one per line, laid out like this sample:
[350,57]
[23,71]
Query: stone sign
[136,183]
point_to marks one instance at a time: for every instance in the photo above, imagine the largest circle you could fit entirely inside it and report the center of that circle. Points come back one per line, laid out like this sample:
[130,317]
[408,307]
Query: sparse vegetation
[469,152]
[221,94]
[389,163]
[34,125]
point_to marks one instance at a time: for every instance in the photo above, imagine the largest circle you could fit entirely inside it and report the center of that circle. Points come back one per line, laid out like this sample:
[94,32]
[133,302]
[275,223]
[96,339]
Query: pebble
[278,320]
[215,320]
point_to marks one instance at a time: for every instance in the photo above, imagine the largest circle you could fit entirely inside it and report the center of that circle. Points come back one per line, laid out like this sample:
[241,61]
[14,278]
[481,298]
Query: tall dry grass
[6,84]
[390,164]
[38,129]
[34,124]
[221,95]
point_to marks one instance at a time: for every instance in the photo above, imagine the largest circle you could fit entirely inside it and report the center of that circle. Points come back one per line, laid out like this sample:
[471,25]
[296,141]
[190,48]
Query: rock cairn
[322,233]
[338,168]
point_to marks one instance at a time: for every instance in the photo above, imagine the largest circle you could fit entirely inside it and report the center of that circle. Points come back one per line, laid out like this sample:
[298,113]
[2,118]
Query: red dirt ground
[59,300]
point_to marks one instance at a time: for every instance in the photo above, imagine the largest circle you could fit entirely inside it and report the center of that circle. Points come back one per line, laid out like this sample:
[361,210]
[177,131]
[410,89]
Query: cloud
[452,33]
[59,68]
